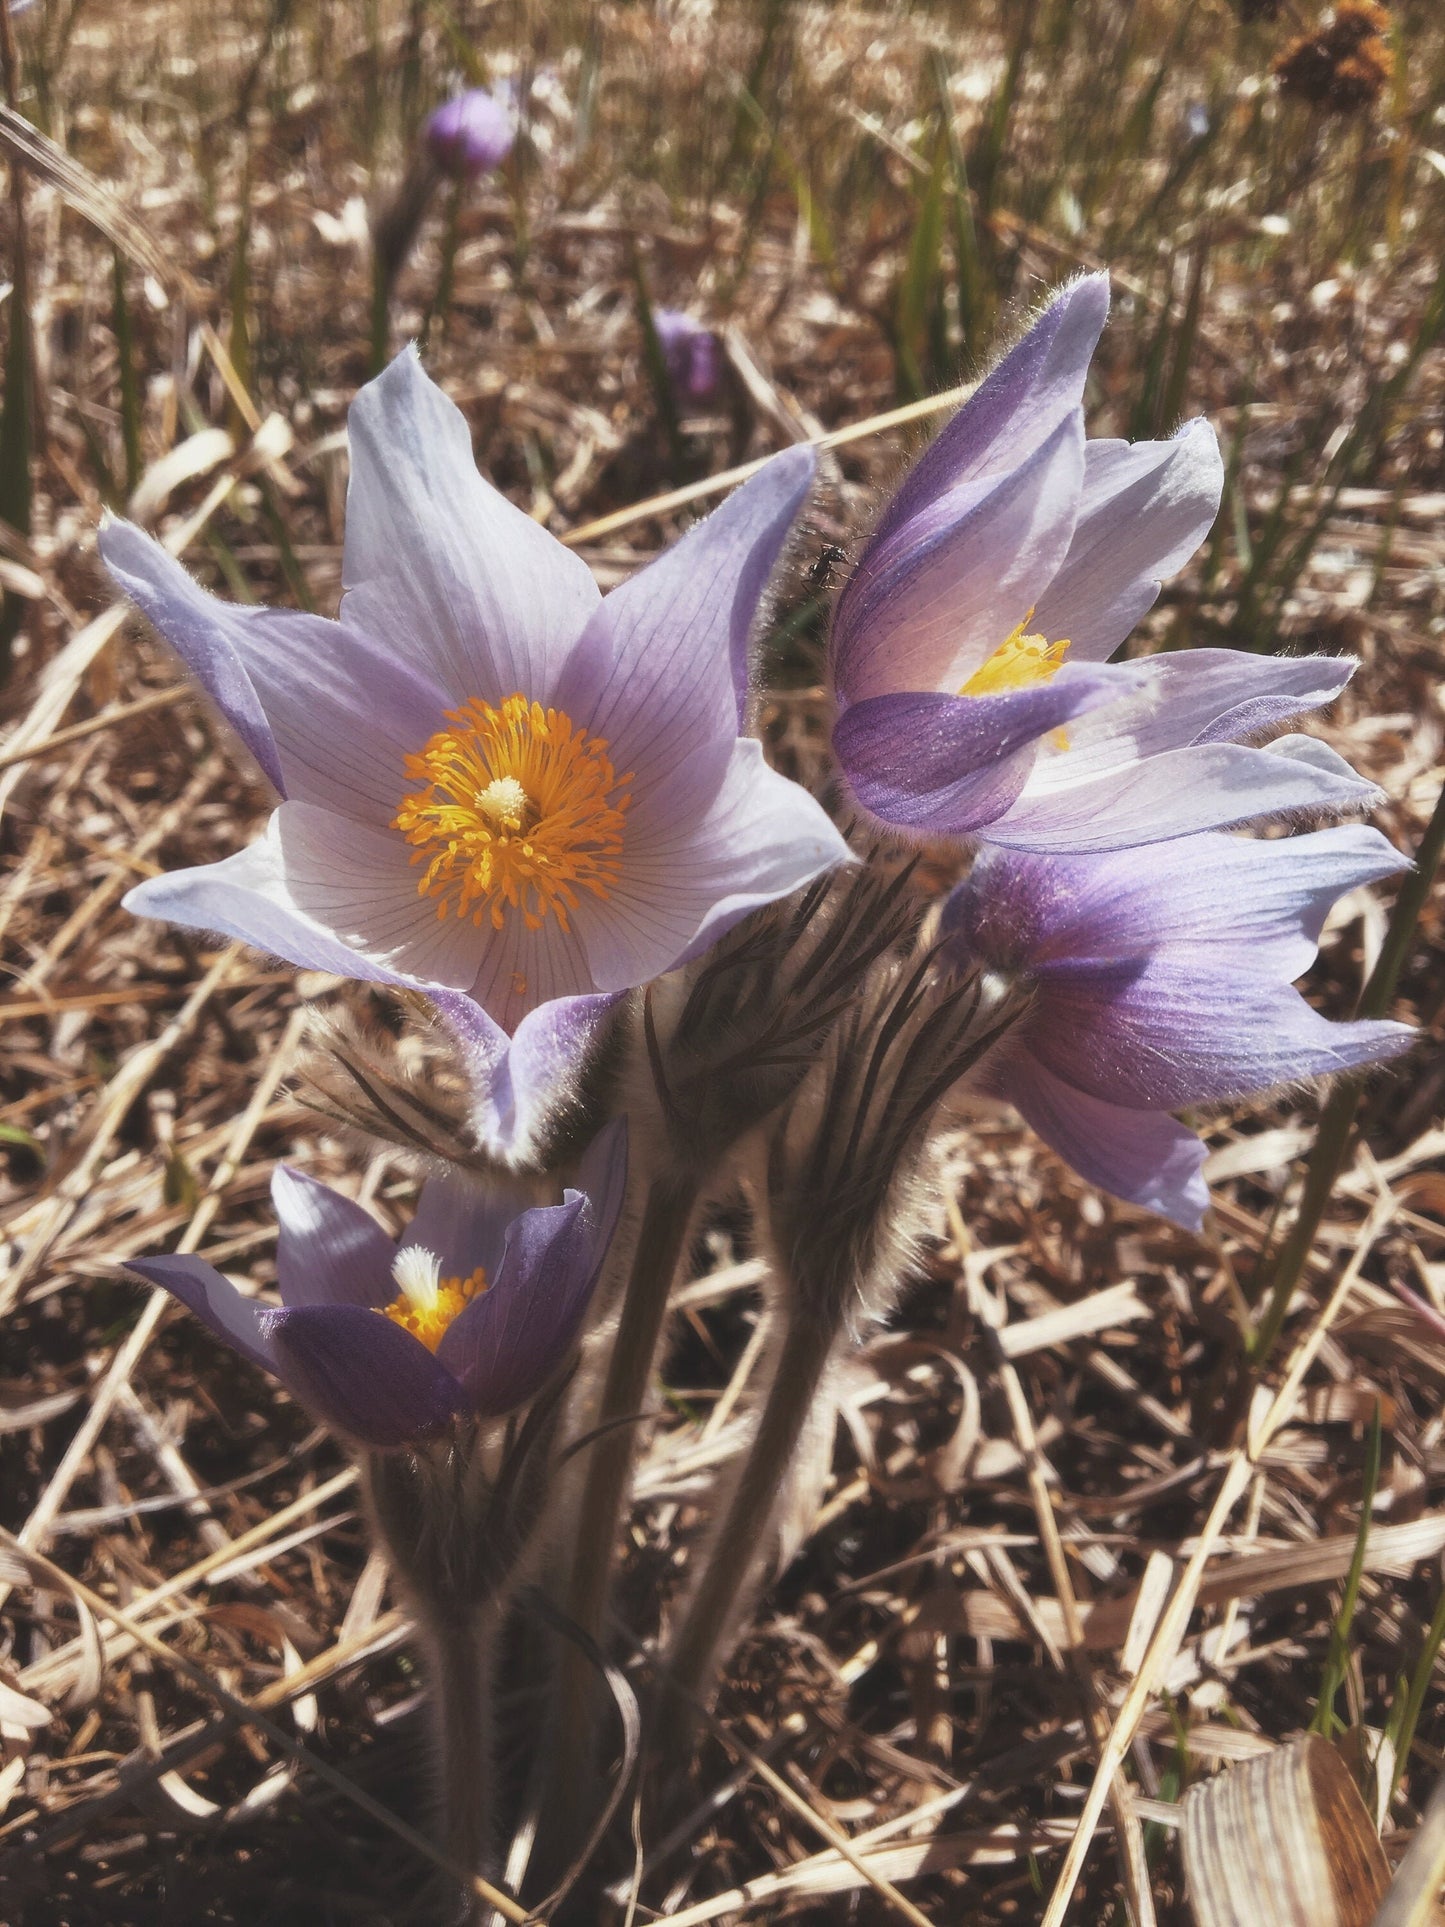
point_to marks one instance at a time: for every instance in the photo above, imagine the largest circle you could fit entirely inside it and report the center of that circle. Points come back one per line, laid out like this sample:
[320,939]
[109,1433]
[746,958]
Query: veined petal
[508,1342]
[243,1324]
[1145,508]
[926,608]
[520,1085]
[662,672]
[1213,786]
[1175,1029]
[362,1374]
[1144,1157]
[1016,407]
[442,567]
[935,765]
[762,837]
[329,715]
[330,1251]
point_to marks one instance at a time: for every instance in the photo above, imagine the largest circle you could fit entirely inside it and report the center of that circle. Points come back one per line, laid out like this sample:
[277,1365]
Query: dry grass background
[1030,1462]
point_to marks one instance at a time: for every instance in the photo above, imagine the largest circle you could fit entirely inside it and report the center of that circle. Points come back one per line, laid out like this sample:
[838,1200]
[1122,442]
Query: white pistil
[504,803]
[418,1272]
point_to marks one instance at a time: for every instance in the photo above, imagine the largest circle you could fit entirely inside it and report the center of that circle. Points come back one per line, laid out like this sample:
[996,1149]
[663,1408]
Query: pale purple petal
[463,1222]
[1193,696]
[662,672]
[243,1324]
[689,881]
[441,567]
[521,1086]
[472,133]
[208,635]
[362,1374]
[330,1251]
[507,1343]
[1175,1029]
[926,609]
[1144,510]
[1213,787]
[1144,1157]
[936,765]
[1016,407]
[330,715]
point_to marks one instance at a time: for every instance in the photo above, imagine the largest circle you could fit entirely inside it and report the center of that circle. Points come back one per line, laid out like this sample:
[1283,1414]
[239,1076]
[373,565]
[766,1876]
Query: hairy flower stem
[661,1242]
[725,1585]
[458,1648]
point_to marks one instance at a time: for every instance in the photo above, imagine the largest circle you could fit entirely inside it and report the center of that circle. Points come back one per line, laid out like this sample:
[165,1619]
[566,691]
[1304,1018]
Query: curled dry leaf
[1282,1841]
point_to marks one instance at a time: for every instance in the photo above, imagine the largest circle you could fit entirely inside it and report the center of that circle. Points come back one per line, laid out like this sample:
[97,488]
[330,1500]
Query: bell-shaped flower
[968,647]
[499,788]
[472,133]
[691,354]
[1162,978]
[468,1316]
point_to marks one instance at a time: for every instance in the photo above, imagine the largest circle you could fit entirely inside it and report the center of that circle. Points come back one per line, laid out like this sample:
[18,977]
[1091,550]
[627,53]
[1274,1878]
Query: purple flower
[470,1314]
[472,133]
[498,788]
[1161,978]
[968,647]
[691,353]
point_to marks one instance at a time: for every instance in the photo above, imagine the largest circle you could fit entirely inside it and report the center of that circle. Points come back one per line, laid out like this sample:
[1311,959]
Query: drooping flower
[471,1313]
[1162,978]
[498,787]
[968,647]
[472,133]
[691,353]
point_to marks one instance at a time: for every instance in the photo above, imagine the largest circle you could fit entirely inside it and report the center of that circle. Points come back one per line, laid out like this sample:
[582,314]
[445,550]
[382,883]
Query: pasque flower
[1162,978]
[471,1313]
[472,133]
[691,353]
[498,787]
[968,647]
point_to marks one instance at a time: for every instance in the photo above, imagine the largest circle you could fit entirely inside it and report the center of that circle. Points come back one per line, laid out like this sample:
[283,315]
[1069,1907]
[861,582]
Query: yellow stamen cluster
[428,1303]
[1017,663]
[516,810]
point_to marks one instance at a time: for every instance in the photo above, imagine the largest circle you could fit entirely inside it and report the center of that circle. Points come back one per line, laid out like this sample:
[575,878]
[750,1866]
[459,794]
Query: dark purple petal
[927,608]
[215,1301]
[506,1344]
[933,765]
[1142,1156]
[330,1251]
[520,1085]
[662,672]
[207,634]
[1016,407]
[362,1374]
[691,352]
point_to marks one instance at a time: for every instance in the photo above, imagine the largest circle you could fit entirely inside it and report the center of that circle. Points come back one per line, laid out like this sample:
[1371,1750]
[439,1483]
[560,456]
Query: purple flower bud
[472,133]
[968,650]
[692,353]
[470,1313]
[1162,978]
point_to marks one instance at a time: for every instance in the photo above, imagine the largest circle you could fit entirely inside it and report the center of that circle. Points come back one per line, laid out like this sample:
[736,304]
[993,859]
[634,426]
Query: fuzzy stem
[661,1241]
[725,1584]
[459,1648]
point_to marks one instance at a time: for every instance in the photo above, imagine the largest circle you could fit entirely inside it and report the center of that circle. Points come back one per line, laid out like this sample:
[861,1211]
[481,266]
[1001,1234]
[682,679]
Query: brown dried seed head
[1345,65]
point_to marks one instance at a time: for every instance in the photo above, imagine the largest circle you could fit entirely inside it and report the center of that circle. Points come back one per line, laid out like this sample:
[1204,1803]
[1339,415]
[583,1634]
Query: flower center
[1017,663]
[515,811]
[428,1302]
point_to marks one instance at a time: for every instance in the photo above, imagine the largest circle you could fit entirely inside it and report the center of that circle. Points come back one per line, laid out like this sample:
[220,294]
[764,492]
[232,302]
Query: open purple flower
[498,788]
[691,352]
[1162,978]
[471,1313]
[968,646]
[472,133]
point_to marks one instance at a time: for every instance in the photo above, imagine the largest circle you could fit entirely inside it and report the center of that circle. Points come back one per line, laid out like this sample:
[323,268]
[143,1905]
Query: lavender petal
[330,1251]
[362,1374]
